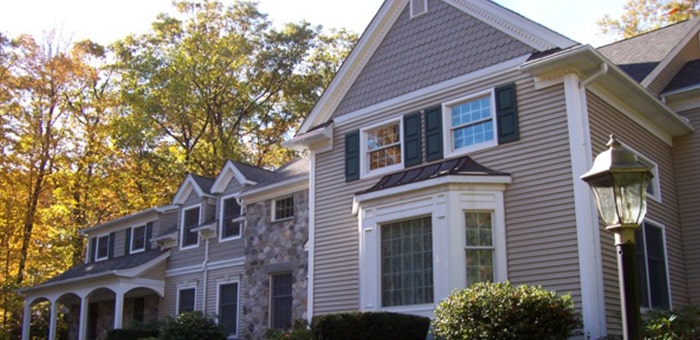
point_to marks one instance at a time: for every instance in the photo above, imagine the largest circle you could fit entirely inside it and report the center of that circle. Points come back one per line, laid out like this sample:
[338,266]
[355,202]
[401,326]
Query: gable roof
[245,174]
[201,185]
[128,218]
[642,55]
[526,31]
[291,173]
[688,76]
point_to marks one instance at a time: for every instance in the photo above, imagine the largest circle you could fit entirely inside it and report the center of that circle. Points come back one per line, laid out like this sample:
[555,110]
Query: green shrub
[369,326]
[501,311]
[131,334]
[191,326]
[300,331]
[671,325]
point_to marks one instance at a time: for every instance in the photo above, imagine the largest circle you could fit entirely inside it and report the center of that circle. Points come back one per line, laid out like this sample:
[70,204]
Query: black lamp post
[619,183]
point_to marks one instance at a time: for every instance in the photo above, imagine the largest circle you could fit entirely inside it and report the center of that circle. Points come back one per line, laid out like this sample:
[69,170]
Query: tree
[641,16]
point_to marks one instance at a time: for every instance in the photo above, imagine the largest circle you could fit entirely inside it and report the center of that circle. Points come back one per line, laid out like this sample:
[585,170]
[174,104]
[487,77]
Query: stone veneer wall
[273,247]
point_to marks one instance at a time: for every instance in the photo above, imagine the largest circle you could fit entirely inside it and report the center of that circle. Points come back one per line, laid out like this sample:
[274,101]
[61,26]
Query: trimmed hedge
[131,334]
[369,326]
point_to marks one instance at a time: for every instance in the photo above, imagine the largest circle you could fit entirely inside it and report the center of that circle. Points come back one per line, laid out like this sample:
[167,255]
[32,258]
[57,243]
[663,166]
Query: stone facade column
[83,321]
[118,309]
[53,314]
[26,320]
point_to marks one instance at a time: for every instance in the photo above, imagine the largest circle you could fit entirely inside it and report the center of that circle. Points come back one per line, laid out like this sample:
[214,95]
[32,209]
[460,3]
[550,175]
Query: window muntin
[384,146]
[407,262]
[190,220]
[185,300]
[283,208]
[228,307]
[652,268]
[231,221]
[138,239]
[469,124]
[479,249]
[102,251]
[281,301]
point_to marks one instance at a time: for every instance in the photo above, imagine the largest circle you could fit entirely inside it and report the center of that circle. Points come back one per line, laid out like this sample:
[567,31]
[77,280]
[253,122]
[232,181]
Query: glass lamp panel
[605,199]
[630,197]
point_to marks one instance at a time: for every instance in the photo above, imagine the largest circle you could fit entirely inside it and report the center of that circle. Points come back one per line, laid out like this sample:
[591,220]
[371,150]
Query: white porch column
[53,307]
[82,323]
[118,309]
[26,319]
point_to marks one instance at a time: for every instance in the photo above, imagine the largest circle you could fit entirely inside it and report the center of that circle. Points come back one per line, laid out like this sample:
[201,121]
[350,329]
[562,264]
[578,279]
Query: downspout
[603,70]
[206,274]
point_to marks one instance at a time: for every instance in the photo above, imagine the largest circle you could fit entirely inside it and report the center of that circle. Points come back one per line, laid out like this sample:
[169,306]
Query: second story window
[470,123]
[381,148]
[283,208]
[102,251]
[231,221]
[138,239]
[190,220]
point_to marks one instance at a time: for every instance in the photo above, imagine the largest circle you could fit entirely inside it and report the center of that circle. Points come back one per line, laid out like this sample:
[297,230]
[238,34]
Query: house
[233,246]
[448,150]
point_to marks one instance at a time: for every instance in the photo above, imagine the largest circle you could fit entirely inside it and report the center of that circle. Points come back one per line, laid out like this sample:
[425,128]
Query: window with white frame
[651,261]
[407,262]
[283,208]
[281,301]
[381,148]
[102,251]
[653,186]
[231,221]
[469,123]
[185,300]
[479,248]
[190,220]
[228,307]
[138,239]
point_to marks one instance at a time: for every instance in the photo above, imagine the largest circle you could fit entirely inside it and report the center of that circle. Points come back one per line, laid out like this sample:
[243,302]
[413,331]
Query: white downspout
[206,274]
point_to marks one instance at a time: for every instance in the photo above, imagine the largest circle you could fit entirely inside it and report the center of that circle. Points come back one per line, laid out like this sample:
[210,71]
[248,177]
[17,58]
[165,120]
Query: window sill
[282,219]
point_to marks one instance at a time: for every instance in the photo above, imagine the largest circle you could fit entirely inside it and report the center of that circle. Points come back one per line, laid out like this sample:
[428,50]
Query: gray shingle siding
[419,52]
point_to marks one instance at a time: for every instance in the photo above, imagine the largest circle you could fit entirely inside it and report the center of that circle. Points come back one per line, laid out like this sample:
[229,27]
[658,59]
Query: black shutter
[433,134]
[110,250]
[149,234]
[92,249]
[507,114]
[411,139]
[352,156]
[127,242]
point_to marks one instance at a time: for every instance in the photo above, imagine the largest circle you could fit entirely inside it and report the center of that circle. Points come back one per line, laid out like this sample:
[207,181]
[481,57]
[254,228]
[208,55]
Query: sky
[106,21]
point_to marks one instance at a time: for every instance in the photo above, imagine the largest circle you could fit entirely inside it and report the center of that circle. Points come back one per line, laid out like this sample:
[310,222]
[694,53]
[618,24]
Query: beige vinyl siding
[604,119]
[225,275]
[157,273]
[686,156]
[540,221]
[172,285]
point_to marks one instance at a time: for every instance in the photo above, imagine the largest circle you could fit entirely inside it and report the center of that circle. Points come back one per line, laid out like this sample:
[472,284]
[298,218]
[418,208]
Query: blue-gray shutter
[411,139]
[433,134]
[507,114]
[352,156]
[127,242]
[149,234]
[92,249]
[110,251]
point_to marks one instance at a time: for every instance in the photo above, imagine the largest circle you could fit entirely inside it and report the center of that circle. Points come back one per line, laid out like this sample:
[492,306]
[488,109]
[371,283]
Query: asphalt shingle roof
[253,173]
[689,75]
[204,183]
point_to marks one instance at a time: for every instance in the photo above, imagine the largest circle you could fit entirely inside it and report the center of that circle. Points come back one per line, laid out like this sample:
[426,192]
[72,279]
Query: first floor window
[384,146]
[190,220]
[102,248]
[479,246]
[138,238]
[228,307]
[471,122]
[230,220]
[281,301]
[185,300]
[284,208]
[407,262]
[651,261]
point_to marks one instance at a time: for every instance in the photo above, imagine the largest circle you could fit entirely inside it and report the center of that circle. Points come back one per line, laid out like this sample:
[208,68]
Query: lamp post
[619,183]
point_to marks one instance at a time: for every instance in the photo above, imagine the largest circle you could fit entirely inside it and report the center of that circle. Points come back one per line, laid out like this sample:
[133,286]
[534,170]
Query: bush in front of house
[191,326]
[673,324]
[369,326]
[501,311]
[131,334]
[300,331]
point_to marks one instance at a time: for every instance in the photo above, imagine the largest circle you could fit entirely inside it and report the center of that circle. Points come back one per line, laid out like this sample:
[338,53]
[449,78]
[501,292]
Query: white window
[469,124]
[654,186]
[186,299]
[407,262]
[465,224]
[228,307]
[102,250]
[283,208]
[381,148]
[281,301]
[231,221]
[138,239]
[191,218]
[653,273]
